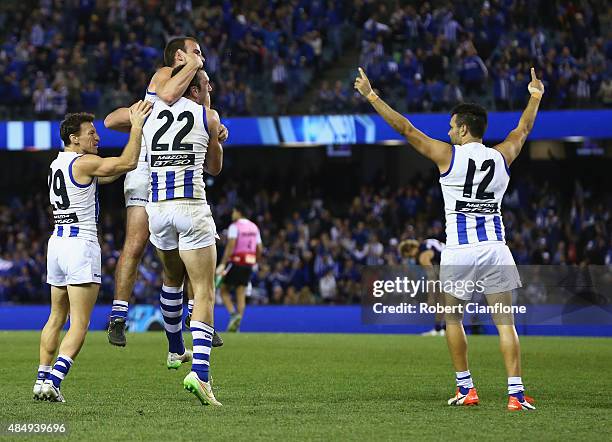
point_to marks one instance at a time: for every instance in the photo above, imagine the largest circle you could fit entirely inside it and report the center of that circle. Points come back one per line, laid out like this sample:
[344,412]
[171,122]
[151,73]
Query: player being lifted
[242,252]
[167,88]
[427,254]
[473,180]
[182,142]
[73,253]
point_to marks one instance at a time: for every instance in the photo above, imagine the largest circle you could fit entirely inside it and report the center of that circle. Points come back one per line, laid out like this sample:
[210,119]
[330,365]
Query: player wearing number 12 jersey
[473,179]
[73,253]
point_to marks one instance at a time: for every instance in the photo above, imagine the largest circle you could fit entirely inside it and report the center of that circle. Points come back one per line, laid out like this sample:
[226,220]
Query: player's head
[199,88]
[408,248]
[468,121]
[238,212]
[185,44]
[78,133]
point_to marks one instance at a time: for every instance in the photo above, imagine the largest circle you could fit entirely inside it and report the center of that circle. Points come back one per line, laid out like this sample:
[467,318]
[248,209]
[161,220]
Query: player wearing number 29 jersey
[75,216]
[473,179]
[73,252]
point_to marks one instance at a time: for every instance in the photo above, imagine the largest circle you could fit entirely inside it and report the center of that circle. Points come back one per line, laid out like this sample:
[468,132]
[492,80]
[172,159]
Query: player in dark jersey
[427,254]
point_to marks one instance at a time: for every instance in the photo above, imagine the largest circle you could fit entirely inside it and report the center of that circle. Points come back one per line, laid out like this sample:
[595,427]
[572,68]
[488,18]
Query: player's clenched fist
[535,86]
[139,112]
[223,134]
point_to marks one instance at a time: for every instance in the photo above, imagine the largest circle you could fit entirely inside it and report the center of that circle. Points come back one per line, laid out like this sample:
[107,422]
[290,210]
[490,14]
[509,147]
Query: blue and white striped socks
[120,310]
[516,388]
[43,372]
[464,381]
[171,304]
[60,369]
[190,307]
[202,342]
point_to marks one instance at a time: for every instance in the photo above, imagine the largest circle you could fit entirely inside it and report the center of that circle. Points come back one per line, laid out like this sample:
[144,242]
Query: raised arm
[214,154]
[437,151]
[118,120]
[94,166]
[170,88]
[511,147]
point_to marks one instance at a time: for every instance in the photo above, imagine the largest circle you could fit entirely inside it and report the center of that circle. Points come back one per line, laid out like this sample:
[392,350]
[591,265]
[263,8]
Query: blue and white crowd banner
[313,130]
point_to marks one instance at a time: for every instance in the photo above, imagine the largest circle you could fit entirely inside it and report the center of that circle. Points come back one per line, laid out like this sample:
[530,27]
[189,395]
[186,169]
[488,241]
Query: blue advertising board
[331,129]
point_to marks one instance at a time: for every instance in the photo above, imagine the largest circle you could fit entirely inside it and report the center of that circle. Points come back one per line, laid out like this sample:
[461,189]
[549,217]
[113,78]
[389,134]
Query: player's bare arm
[259,252]
[511,147]
[108,179]
[229,250]
[170,88]
[118,120]
[437,151]
[425,258]
[89,166]
[214,155]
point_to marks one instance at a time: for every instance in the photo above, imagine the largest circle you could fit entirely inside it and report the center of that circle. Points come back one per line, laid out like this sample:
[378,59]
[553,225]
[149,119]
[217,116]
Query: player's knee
[173,281]
[57,320]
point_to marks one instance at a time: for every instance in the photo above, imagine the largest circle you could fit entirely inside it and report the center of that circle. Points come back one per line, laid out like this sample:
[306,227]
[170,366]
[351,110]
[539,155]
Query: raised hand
[535,86]
[194,59]
[362,84]
[181,57]
[139,112]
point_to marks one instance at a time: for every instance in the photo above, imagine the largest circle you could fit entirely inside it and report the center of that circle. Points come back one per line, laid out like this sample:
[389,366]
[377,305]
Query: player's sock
[171,304]
[43,372]
[438,326]
[464,381]
[202,342]
[190,307]
[60,370]
[119,310]
[516,388]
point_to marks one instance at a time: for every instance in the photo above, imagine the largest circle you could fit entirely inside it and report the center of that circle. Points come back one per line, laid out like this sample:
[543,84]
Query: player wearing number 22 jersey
[182,142]
[474,179]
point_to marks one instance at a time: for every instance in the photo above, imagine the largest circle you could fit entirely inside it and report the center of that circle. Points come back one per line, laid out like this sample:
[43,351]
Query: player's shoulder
[161,74]
[211,113]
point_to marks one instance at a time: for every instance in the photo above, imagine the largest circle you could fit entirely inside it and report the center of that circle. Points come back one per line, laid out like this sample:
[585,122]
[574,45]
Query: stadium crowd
[98,55]
[261,55]
[315,247]
[432,55]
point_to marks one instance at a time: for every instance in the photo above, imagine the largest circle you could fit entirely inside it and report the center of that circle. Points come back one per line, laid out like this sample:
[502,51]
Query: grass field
[324,387]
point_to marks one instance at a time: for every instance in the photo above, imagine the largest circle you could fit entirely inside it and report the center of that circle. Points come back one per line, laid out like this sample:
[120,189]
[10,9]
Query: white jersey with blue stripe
[176,138]
[75,205]
[473,189]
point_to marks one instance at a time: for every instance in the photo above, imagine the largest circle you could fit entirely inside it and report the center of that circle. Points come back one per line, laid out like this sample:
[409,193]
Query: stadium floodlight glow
[575,139]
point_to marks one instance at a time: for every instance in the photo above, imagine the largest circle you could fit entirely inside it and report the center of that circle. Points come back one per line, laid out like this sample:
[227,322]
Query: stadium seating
[264,55]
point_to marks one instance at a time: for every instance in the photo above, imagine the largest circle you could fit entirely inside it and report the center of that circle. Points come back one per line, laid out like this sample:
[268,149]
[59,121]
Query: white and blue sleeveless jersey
[473,189]
[75,205]
[176,139]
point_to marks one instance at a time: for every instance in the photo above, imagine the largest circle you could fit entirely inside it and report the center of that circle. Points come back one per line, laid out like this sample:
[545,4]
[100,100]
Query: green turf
[323,387]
